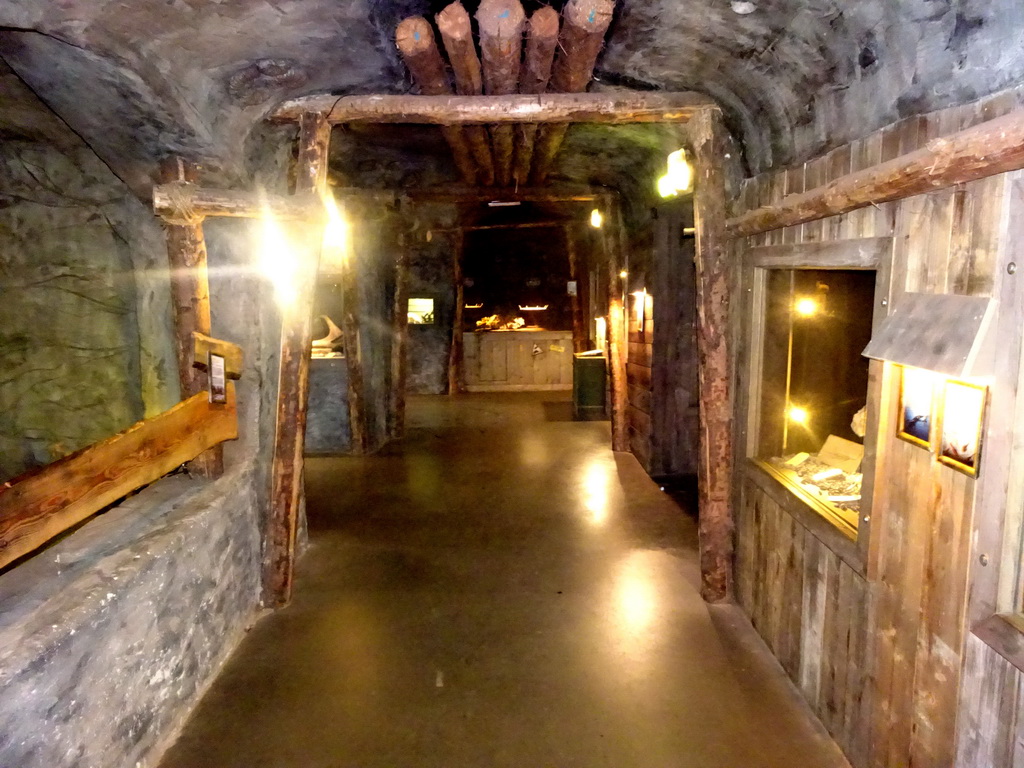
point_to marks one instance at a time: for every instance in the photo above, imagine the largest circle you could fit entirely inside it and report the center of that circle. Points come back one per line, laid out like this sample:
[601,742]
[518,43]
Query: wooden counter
[517,361]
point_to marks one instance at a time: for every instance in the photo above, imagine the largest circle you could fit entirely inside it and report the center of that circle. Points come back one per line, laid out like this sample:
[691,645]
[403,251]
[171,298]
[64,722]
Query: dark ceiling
[137,79]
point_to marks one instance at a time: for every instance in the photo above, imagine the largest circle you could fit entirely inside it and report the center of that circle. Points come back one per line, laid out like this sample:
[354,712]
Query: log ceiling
[504,105]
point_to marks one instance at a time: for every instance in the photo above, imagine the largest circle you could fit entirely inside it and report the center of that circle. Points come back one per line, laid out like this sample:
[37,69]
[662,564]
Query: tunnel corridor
[499,589]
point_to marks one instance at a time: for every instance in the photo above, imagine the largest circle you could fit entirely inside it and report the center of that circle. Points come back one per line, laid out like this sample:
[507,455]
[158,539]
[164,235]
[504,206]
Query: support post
[415,40]
[579,325]
[617,338]
[286,496]
[455,350]
[714,478]
[190,296]
[541,41]
[584,24]
[501,44]
[353,351]
[399,345]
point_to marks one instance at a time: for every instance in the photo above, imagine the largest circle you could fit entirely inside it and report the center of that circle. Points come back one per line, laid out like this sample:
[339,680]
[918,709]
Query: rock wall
[85,342]
[108,637]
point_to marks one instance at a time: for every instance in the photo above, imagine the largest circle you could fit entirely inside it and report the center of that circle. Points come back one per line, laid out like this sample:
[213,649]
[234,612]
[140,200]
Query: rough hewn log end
[543,23]
[500,18]
[453,22]
[592,16]
[414,35]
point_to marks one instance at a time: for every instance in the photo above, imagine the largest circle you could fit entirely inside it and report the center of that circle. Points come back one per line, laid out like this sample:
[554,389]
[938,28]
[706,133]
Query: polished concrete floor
[499,590]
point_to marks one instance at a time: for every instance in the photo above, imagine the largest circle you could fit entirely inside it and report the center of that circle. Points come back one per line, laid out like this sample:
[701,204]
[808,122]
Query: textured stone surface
[108,637]
[85,339]
[140,79]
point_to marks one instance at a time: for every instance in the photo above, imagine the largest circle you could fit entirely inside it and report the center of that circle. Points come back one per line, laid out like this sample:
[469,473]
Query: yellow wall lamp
[678,176]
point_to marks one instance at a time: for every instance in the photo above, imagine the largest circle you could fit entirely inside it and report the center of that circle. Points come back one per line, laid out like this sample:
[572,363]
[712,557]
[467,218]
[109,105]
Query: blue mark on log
[503,15]
[416,36]
[592,16]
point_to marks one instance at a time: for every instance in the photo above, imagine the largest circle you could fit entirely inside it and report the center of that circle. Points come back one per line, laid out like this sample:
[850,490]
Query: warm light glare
[277,261]
[596,219]
[538,308]
[798,415]
[640,306]
[806,307]
[623,274]
[474,306]
[601,331]
[336,241]
[961,415]
[918,390]
[678,176]
[595,491]
[636,595]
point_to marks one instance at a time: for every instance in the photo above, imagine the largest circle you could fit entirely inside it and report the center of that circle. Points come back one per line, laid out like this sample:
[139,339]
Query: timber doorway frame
[702,131]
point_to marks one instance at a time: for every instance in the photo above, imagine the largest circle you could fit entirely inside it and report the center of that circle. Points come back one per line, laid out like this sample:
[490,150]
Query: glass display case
[813,386]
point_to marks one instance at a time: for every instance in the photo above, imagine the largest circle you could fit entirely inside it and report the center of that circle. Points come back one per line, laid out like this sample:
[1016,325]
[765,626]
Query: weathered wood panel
[810,607]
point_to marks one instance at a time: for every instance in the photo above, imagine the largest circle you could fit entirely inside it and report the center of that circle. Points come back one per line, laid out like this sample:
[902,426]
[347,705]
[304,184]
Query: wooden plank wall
[880,660]
[638,377]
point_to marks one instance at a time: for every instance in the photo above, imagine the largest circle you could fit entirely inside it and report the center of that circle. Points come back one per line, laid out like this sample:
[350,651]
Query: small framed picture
[960,424]
[917,397]
[218,379]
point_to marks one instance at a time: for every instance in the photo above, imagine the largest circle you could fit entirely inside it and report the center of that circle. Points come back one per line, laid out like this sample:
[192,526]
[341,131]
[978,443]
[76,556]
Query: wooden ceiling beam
[584,25]
[415,40]
[501,46]
[541,41]
[616,108]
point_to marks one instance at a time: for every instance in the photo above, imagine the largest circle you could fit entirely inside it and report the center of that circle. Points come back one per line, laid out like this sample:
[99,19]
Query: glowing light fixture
[798,415]
[596,219]
[640,307]
[537,308]
[277,261]
[336,241]
[806,307]
[623,274]
[474,306]
[678,175]
[601,331]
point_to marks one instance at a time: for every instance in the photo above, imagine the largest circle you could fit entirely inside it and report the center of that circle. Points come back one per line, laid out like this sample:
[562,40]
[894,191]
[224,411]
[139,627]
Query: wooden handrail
[43,503]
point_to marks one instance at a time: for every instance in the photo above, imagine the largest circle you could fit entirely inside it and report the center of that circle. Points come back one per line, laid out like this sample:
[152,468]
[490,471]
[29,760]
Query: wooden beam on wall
[46,502]
[579,275]
[584,25]
[286,493]
[190,298]
[500,23]
[715,470]
[177,201]
[541,41]
[618,108]
[415,40]
[993,147]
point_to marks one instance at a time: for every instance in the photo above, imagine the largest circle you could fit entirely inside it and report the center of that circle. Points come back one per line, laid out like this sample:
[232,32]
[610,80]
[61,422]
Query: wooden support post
[455,350]
[617,338]
[353,349]
[287,493]
[457,33]
[501,44]
[399,345]
[415,40]
[541,41]
[579,324]
[584,24]
[714,480]
[190,296]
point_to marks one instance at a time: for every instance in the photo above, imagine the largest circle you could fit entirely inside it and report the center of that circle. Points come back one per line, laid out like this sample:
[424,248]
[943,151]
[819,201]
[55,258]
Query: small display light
[798,415]
[596,219]
[623,274]
[806,307]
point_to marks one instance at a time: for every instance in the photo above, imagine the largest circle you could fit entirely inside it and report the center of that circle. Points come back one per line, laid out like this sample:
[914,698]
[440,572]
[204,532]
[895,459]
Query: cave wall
[85,342]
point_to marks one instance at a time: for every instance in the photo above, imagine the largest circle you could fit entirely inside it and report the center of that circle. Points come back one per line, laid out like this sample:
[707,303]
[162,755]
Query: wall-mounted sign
[217,379]
[570,287]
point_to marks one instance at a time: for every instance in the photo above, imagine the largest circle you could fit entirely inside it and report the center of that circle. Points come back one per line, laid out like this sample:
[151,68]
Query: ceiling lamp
[596,219]
[678,175]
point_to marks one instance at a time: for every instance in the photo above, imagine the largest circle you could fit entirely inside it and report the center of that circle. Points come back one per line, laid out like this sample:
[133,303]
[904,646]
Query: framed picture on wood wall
[917,401]
[960,425]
